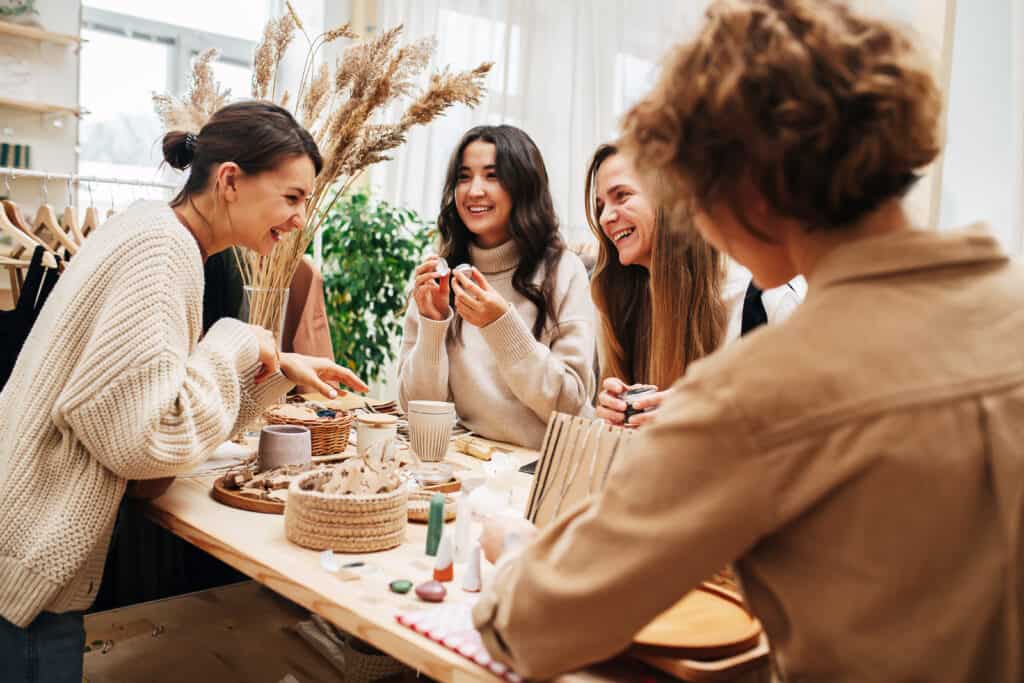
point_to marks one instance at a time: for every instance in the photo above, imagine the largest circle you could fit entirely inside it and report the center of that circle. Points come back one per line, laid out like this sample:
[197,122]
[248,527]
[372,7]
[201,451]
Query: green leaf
[370,250]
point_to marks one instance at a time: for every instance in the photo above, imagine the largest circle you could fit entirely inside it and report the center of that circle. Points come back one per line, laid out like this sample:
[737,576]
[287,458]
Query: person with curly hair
[862,463]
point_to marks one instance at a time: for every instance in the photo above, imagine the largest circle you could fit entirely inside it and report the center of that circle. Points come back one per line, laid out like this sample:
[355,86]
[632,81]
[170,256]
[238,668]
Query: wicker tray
[328,435]
[344,523]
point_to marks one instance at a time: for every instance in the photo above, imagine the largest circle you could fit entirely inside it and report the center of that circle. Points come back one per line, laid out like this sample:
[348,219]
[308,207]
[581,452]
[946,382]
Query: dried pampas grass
[341,110]
[204,97]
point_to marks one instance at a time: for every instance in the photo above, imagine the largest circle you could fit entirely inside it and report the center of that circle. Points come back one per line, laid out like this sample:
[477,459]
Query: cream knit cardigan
[112,384]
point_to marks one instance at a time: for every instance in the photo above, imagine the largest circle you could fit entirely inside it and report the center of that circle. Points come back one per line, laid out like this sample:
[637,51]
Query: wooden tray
[754,662]
[450,486]
[234,499]
[708,623]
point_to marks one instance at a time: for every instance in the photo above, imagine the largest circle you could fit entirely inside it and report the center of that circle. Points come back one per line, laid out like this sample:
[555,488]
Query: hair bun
[179,149]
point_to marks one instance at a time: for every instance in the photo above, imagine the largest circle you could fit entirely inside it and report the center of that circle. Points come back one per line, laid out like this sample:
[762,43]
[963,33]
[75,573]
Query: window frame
[185,43]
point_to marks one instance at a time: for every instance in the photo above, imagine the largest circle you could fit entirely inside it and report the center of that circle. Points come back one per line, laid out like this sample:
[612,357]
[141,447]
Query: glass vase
[265,307]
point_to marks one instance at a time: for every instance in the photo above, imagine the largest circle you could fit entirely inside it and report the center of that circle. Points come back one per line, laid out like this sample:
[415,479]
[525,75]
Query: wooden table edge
[422,654]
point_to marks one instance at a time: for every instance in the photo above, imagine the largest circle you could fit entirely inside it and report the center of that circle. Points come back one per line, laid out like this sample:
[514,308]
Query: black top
[754,314]
[16,324]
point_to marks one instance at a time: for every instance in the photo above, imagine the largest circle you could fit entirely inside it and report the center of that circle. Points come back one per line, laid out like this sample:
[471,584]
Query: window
[134,49]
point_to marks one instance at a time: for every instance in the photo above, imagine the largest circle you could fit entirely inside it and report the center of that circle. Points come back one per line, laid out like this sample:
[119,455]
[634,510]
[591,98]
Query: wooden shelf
[34,33]
[38,107]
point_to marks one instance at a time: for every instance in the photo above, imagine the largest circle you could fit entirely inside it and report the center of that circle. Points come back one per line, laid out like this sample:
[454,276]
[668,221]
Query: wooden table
[359,603]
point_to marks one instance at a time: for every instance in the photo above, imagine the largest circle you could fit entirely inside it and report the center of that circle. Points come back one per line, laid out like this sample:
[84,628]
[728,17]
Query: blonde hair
[654,324]
[825,112]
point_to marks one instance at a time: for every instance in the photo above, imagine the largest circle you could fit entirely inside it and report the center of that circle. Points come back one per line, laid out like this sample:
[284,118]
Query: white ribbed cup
[430,428]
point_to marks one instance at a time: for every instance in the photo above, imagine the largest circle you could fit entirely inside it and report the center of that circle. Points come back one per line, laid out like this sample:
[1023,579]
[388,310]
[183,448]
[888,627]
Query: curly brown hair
[827,113]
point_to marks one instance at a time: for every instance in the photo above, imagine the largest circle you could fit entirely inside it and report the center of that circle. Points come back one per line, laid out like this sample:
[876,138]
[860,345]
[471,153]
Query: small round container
[441,269]
[633,393]
[284,445]
[372,429]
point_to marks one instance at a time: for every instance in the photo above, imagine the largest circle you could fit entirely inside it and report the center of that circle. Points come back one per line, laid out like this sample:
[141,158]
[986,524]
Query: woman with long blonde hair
[665,297]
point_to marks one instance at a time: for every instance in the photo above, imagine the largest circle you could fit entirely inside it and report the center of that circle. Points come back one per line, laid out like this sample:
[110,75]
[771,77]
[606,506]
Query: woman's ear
[227,180]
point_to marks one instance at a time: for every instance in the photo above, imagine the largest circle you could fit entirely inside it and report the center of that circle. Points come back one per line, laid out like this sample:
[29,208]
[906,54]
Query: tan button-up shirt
[863,464]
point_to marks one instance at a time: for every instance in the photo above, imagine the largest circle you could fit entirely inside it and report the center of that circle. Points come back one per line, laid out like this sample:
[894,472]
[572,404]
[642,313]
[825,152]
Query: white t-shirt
[779,303]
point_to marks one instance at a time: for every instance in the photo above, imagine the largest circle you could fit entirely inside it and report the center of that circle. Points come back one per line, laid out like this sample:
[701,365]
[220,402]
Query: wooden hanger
[91,221]
[25,241]
[69,219]
[45,218]
[14,215]
[14,262]
[92,216]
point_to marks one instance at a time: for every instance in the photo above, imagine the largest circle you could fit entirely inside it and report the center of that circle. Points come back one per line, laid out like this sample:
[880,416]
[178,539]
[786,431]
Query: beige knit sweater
[113,384]
[505,383]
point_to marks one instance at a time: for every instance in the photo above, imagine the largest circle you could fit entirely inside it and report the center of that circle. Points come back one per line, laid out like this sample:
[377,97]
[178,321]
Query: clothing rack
[75,179]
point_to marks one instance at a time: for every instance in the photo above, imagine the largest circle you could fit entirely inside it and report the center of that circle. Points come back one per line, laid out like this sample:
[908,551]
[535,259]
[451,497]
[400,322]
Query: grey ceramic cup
[284,445]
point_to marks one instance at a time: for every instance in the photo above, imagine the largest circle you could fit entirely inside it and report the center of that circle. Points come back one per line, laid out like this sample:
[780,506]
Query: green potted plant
[370,249]
[19,11]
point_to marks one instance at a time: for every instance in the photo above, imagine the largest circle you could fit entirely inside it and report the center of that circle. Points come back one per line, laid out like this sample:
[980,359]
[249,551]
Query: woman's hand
[475,300]
[610,406]
[649,404]
[504,533]
[431,292]
[320,373]
[269,357]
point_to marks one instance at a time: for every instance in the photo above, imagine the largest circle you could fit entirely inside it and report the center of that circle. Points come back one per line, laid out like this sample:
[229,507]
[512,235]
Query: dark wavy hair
[532,223]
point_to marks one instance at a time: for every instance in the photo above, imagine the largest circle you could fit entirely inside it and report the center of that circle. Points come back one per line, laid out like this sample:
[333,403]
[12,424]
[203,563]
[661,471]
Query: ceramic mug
[430,428]
[372,429]
[284,445]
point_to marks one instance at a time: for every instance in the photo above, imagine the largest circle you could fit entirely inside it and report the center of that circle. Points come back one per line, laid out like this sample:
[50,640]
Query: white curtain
[983,176]
[564,72]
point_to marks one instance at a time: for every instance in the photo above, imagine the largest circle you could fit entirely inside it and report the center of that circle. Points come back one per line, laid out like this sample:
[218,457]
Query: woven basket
[328,435]
[343,523]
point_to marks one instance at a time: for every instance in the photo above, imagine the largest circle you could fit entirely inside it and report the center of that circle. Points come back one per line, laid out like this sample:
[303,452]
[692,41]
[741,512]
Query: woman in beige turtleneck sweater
[520,342]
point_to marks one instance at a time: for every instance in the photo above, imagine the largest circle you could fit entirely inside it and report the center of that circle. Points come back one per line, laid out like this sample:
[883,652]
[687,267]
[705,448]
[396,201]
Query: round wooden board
[450,486]
[236,500]
[708,623]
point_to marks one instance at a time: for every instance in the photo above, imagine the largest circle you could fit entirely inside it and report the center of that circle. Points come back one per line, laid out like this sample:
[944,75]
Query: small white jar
[372,429]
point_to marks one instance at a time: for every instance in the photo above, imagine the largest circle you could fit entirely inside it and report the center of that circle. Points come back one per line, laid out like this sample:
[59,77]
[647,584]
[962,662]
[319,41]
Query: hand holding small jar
[629,405]
[431,287]
[476,301]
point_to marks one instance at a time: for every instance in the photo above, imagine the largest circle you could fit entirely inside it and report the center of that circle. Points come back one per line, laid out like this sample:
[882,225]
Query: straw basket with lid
[358,506]
[328,432]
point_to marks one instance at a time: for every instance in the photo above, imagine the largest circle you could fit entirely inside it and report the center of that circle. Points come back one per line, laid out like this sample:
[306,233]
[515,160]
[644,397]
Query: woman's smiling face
[624,213]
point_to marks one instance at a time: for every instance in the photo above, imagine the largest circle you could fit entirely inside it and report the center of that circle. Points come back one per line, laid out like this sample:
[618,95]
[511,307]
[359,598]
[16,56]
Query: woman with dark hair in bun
[114,383]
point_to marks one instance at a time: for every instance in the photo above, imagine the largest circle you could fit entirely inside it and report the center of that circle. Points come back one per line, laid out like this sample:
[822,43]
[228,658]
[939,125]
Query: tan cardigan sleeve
[143,404]
[423,359]
[691,497]
[550,377]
